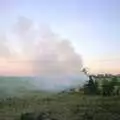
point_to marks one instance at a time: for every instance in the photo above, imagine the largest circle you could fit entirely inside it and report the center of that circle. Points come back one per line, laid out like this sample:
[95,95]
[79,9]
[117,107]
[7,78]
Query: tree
[105,87]
[116,85]
[91,87]
[97,90]
[108,86]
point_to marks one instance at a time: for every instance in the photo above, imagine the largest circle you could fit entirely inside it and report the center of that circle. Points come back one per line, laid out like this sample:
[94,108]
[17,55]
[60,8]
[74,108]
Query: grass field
[63,107]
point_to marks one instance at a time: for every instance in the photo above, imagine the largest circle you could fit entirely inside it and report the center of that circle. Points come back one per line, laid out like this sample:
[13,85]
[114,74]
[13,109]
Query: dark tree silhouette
[91,87]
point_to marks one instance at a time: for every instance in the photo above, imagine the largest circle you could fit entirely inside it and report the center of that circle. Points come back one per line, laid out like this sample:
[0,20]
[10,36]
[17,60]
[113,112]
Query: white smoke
[4,47]
[51,57]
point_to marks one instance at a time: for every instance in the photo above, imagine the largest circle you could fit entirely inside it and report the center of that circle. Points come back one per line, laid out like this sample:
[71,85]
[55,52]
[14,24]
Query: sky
[91,26]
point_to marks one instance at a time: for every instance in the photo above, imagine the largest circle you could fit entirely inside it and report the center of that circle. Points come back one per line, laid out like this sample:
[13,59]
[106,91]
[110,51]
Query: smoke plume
[53,59]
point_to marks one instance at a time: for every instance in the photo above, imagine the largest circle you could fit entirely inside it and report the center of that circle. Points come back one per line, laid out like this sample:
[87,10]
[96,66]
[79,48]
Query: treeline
[104,86]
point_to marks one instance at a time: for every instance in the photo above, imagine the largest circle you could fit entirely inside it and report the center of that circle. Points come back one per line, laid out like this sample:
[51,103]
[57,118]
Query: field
[60,106]
[64,106]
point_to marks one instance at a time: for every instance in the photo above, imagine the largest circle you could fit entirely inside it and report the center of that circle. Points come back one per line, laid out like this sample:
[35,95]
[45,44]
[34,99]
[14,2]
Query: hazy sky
[92,26]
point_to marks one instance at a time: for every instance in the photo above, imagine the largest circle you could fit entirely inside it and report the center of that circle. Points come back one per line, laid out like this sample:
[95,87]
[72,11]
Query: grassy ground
[63,107]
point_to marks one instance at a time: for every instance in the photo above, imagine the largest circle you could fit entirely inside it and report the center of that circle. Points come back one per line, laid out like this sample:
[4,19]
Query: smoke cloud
[53,59]
[4,47]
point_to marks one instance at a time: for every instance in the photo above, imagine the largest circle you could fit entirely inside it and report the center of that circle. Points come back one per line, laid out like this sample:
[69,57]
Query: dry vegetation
[63,106]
